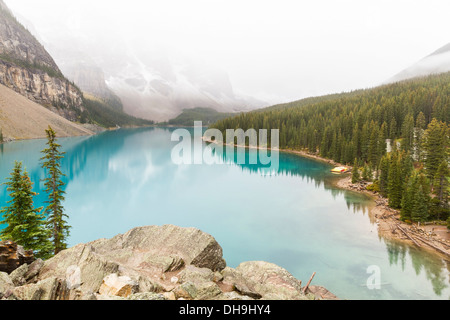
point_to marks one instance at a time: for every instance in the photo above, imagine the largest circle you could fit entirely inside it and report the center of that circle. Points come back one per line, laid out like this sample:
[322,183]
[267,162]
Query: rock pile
[151,263]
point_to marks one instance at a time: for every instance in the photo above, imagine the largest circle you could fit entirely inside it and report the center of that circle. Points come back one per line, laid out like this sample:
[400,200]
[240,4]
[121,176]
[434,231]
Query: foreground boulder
[150,263]
[13,256]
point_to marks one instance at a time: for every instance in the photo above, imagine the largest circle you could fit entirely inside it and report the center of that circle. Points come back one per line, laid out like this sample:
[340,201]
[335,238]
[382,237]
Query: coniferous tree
[56,218]
[355,173]
[367,173]
[441,190]
[395,181]
[421,122]
[384,175]
[435,144]
[408,133]
[419,212]
[25,224]
[421,125]
[408,197]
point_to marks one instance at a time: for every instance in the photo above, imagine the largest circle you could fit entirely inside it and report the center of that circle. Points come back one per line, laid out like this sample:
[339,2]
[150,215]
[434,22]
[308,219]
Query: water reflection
[294,217]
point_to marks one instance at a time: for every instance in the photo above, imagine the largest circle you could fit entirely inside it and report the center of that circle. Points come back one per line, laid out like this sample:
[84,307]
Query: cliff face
[27,68]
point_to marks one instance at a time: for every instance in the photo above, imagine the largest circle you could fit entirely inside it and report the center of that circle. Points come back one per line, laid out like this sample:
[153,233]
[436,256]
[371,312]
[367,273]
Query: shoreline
[430,237]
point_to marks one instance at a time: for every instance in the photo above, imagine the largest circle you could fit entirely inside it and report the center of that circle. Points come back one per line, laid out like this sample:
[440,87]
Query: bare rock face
[27,68]
[36,85]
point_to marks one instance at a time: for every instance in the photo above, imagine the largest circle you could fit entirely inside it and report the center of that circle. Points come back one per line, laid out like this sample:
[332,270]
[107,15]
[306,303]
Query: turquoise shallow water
[294,218]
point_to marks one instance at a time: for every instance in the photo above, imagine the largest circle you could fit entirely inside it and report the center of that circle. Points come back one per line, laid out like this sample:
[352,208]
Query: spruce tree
[395,182]
[419,212]
[384,175]
[441,189]
[25,224]
[355,173]
[435,143]
[367,173]
[408,133]
[56,218]
[408,197]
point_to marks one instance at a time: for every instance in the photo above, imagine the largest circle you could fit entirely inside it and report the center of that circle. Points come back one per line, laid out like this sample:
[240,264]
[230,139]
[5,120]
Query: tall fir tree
[56,218]
[441,190]
[355,173]
[408,197]
[25,224]
[408,133]
[420,205]
[384,175]
[434,146]
[395,181]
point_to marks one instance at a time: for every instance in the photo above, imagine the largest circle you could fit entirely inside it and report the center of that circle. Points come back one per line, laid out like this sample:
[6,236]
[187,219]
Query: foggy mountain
[435,63]
[154,85]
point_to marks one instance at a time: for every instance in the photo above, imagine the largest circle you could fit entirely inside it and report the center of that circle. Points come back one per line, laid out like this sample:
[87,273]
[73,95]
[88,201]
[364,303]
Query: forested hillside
[356,128]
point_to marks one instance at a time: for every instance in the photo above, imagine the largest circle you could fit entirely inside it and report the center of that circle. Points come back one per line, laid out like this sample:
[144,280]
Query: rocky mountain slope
[435,63]
[27,68]
[21,118]
[152,263]
[153,83]
[149,85]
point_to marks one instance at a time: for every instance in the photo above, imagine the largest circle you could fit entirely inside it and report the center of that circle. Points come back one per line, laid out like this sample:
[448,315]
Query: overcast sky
[287,49]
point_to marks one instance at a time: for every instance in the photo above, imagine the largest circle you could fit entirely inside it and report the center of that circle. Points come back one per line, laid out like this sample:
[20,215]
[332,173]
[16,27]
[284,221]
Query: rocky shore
[151,263]
[431,237]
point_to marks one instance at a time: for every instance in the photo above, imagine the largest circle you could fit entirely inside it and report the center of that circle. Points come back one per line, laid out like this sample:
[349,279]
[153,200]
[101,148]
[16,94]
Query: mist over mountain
[435,63]
[150,84]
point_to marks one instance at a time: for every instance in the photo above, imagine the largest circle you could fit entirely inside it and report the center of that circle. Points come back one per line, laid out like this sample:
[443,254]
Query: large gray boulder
[80,260]
[144,254]
[166,247]
[258,279]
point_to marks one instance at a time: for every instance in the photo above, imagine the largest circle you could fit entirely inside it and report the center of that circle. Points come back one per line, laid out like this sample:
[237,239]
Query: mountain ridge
[435,63]
[27,68]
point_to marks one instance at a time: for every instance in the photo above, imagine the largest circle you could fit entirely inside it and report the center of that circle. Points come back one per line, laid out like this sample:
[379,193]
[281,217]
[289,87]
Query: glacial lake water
[294,218]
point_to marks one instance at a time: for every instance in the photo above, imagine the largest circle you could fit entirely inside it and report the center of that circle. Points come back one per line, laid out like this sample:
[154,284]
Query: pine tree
[419,212]
[408,197]
[367,173]
[408,133]
[384,175]
[421,122]
[355,173]
[56,219]
[418,137]
[441,189]
[435,142]
[395,182]
[25,224]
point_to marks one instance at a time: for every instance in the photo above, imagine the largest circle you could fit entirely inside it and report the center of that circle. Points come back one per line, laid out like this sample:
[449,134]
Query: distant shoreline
[430,237]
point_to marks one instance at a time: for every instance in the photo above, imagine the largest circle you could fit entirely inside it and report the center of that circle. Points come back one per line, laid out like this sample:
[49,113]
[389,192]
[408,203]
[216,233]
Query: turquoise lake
[295,218]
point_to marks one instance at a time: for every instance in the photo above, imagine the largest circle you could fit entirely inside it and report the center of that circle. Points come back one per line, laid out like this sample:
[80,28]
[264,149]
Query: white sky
[288,49]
